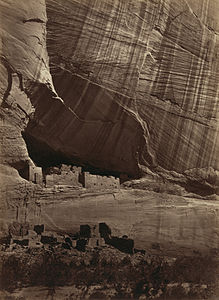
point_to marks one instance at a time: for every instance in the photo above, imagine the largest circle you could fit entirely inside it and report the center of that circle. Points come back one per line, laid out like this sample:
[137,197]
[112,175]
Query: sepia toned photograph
[109,149]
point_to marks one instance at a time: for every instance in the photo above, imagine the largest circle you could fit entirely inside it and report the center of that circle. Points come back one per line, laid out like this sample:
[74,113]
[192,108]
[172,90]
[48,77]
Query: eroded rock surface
[151,67]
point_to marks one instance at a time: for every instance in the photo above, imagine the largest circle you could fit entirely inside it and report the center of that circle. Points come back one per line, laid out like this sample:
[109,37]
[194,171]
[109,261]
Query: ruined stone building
[32,173]
[74,176]
[65,175]
[68,175]
[91,181]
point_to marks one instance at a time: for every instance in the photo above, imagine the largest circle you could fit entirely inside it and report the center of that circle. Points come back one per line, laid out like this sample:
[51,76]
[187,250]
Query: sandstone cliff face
[123,86]
[116,85]
[23,59]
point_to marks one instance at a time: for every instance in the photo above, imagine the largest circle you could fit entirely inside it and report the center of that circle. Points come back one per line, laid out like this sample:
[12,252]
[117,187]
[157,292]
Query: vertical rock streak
[121,84]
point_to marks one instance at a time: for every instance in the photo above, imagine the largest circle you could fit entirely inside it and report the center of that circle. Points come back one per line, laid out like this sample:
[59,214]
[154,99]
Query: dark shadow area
[24,172]
[42,154]
[81,245]
[104,230]
[198,188]
[85,231]
[39,228]
[123,244]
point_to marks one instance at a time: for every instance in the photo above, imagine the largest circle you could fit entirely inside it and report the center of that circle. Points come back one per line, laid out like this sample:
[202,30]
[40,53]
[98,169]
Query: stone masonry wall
[100,182]
[68,176]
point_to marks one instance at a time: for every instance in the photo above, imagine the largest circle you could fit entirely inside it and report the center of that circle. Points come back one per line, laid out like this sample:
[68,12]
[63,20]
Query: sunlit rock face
[24,62]
[141,78]
[117,85]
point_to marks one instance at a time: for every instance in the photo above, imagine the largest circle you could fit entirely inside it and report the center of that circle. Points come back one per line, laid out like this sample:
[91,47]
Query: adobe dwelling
[32,173]
[91,181]
[74,176]
[99,236]
[95,239]
[70,176]
[64,175]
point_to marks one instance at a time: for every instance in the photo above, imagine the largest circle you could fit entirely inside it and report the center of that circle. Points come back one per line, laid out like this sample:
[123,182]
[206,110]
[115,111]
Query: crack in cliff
[193,13]
[11,71]
[200,21]
[202,25]
[180,115]
[36,20]
[167,100]
[39,40]
[195,114]
[8,90]
[84,120]
[126,108]
[171,20]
